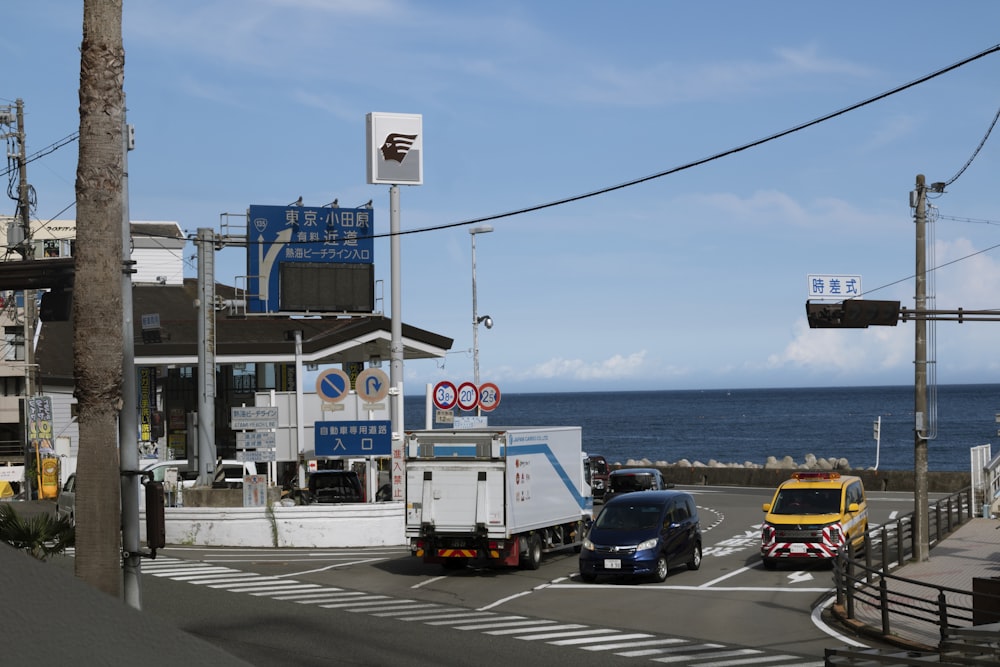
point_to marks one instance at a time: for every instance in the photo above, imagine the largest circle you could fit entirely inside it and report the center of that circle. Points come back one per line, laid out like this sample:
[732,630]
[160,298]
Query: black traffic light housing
[852,314]
[156,529]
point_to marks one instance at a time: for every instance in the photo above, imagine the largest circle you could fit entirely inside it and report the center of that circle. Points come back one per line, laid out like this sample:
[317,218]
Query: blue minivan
[642,535]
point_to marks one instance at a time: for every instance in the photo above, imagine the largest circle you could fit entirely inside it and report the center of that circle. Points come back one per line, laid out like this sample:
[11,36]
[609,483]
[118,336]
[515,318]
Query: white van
[187,475]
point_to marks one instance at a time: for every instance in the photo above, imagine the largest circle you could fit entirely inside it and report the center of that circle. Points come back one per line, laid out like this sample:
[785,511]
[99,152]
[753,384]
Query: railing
[992,483]
[865,579]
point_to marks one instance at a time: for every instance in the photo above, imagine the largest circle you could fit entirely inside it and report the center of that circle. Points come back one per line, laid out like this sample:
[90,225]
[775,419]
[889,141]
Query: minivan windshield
[629,516]
[632,482]
[807,501]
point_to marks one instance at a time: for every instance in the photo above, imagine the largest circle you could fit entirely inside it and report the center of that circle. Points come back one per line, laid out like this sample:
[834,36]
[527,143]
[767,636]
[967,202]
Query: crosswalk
[655,648]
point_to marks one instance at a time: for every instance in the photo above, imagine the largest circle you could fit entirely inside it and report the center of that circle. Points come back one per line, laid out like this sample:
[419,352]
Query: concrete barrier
[309,526]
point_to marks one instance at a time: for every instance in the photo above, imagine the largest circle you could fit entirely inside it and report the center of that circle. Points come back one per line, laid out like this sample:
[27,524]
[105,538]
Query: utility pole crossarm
[958,315]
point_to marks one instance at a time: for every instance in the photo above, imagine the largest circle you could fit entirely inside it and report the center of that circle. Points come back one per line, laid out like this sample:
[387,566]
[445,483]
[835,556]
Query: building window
[13,349]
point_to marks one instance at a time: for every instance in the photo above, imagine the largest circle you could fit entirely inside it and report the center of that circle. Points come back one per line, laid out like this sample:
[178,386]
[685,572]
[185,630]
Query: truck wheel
[532,557]
[769,563]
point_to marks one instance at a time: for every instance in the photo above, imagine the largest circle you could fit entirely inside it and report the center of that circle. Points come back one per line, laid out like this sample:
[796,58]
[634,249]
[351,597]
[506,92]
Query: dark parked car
[335,486]
[66,500]
[628,480]
[643,535]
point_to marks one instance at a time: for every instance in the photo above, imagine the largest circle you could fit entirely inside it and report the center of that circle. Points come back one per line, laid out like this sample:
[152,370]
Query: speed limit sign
[468,396]
[489,396]
[445,395]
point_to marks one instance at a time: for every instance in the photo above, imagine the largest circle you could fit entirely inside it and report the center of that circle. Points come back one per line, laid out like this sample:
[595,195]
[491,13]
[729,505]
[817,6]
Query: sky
[696,279]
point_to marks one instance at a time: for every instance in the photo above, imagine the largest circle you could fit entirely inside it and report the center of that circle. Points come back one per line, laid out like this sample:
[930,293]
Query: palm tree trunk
[97,297]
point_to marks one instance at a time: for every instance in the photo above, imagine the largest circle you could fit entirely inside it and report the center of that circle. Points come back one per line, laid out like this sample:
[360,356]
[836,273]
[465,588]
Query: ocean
[749,425]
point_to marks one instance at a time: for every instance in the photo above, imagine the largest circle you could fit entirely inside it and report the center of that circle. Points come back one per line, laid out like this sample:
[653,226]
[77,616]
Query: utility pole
[128,426]
[206,356]
[921,428]
[26,249]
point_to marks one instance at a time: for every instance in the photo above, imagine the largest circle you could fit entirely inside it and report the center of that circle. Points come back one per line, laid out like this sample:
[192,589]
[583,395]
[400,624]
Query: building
[253,352]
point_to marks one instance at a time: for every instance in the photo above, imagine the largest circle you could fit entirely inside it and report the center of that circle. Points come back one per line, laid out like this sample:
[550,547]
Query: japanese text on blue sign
[278,234]
[353,438]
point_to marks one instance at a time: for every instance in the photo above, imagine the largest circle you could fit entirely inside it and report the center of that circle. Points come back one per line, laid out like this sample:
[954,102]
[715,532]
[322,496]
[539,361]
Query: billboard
[278,235]
[395,143]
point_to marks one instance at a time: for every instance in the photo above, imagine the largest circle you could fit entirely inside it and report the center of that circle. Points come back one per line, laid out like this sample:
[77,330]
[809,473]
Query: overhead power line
[716,156]
[52,148]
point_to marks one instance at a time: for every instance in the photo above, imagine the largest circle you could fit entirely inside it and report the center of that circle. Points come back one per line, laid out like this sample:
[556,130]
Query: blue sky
[693,280]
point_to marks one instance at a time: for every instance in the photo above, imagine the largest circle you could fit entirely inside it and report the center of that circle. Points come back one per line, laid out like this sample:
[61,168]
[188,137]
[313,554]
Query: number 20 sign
[468,396]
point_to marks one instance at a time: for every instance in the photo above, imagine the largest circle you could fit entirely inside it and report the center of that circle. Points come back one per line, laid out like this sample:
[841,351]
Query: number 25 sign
[489,396]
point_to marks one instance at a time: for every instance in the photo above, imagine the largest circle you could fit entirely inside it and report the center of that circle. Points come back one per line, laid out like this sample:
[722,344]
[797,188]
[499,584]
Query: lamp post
[476,319]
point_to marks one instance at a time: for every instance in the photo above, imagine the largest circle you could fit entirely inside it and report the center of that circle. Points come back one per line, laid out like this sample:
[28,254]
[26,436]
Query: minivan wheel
[660,573]
[695,561]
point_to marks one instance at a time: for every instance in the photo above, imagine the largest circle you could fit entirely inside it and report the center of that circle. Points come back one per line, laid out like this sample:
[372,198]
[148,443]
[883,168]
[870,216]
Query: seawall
[874,480]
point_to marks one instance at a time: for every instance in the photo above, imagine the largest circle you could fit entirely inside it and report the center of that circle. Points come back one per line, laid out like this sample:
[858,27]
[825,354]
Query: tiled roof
[239,338]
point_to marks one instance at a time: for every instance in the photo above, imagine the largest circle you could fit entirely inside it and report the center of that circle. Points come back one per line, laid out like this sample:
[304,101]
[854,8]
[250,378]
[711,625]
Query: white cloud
[845,350]
[616,367]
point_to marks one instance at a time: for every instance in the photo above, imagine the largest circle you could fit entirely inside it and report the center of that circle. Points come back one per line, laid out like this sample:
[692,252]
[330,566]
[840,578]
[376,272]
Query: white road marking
[428,581]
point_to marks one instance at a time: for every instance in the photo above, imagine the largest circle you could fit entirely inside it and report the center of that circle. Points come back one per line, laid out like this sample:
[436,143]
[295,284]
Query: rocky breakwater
[775,470]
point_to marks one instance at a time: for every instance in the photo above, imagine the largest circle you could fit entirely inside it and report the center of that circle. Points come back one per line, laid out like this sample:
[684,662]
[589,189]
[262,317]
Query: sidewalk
[972,551]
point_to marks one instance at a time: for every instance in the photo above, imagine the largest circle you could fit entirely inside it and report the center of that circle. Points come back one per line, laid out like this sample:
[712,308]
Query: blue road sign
[353,438]
[333,385]
[279,234]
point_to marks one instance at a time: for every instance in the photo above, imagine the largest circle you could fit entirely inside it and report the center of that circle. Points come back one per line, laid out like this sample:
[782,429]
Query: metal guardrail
[991,473]
[867,579]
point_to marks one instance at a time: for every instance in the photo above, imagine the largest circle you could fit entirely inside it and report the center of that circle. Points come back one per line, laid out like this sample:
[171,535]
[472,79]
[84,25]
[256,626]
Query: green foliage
[41,535]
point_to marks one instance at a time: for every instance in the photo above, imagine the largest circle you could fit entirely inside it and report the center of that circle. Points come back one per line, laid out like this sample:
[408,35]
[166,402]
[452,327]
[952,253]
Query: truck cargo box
[496,484]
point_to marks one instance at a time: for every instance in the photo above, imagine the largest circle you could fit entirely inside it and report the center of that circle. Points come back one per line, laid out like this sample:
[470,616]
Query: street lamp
[486,320]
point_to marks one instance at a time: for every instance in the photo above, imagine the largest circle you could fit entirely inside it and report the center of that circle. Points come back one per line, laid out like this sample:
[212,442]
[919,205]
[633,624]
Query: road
[382,606]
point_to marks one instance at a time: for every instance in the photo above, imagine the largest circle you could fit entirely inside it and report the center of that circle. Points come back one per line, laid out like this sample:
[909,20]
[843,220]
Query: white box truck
[497,496]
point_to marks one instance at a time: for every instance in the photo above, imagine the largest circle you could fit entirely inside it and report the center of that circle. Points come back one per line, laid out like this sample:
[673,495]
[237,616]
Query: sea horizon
[746,426]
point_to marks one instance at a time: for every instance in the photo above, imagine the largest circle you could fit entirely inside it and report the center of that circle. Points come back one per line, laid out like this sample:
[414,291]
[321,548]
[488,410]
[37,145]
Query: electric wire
[975,152]
[51,148]
[716,156]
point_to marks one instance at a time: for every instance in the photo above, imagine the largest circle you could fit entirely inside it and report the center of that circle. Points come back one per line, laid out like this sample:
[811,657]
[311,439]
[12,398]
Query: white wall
[310,526]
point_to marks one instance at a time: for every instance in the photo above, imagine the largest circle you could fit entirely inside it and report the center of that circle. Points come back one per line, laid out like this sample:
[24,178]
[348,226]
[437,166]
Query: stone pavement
[53,618]
[971,552]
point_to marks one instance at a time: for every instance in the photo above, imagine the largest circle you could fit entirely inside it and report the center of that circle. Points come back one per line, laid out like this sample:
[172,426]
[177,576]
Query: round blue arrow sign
[372,385]
[333,385]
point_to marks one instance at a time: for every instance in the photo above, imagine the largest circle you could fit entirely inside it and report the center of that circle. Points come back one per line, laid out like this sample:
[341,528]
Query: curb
[838,612]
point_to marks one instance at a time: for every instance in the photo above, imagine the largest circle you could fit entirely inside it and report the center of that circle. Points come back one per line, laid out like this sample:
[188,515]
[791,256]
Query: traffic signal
[156,532]
[852,314]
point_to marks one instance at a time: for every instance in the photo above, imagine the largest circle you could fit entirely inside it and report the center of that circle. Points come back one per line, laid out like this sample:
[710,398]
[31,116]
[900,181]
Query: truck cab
[599,471]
